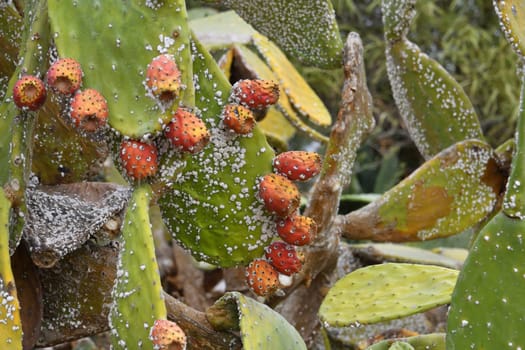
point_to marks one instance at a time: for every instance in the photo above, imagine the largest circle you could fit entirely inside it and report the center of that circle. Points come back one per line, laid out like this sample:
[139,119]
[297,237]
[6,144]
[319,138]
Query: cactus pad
[434,341]
[114,45]
[311,29]
[211,208]
[451,192]
[261,328]
[511,14]
[137,293]
[385,292]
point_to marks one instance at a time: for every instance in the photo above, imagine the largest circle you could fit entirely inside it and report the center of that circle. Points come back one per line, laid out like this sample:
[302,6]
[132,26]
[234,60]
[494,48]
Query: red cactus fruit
[167,335]
[297,165]
[138,159]
[89,110]
[280,195]
[29,92]
[297,230]
[284,258]
[255,94]
[261,277]
[65,76]
[239,119]
[187,132]
[163,77]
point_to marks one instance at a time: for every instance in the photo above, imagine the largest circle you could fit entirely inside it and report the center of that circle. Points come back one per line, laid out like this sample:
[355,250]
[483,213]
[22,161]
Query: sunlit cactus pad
[385,292]
[114,45]
[211,208]
[261,327]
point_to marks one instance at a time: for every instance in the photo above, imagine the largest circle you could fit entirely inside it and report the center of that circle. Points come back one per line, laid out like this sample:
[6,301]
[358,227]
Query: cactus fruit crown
[65,76]
[29,92]
[89,110]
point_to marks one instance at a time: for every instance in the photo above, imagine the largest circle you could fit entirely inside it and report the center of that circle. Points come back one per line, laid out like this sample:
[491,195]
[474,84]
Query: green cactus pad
[511,15]
[385,292]
[261,327]
[397,17]
[433,105]
[10,323]
[114,45]
[137,293]
[434,341]
[487,309]
[211,208]
[451,192]
[401,253]
[303,28]
[10,24]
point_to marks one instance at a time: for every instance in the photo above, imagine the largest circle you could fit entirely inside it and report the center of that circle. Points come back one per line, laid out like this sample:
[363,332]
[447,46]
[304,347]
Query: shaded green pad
[261,327]
[10,35]
[222,30]
[402,253]
[137,293]
[451,192]
[114,41]
[487,309]
[10,324]
[303,28]
[435,341]
[385,292]
[212,209]
[434,106]
[511,15]
[397,17]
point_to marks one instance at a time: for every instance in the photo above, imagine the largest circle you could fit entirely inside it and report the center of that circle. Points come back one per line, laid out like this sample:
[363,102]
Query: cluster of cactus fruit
[281,197]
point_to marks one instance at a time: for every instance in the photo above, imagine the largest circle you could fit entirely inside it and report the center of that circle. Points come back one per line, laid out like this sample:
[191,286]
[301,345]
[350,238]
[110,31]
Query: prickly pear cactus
[137,292]
[435,341]
[119,72]
[426,205]
[227,225]
[10,323]
[385,292]
[486,310]
[312,33]
[511,14]
[436,110]
[261,328]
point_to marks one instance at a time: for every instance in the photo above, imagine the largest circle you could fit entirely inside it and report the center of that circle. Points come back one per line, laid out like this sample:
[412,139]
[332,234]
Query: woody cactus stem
[353,122]
[137,293]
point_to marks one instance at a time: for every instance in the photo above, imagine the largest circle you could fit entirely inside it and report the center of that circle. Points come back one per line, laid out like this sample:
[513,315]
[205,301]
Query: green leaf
[10,323]
[385,292]
[114,45]
[435,108]
[449,193]
[137,294]
[511,15]
[211,209]
[261,327]
[435,341]
[303,28]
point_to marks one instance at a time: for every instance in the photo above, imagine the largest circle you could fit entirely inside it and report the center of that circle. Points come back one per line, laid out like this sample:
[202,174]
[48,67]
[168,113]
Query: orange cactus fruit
[89,110]
[280,196]
[297,165]
[138,159]
[29,92]
[283,257]
[238,119]
[187,132]
[255,93]
[298,230]
[262,278]
[167,335]
[65,76]
[163,78]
